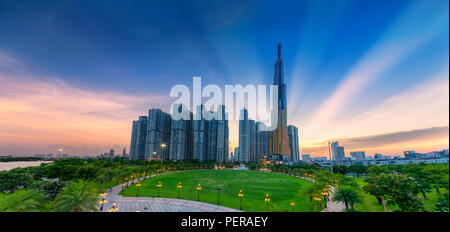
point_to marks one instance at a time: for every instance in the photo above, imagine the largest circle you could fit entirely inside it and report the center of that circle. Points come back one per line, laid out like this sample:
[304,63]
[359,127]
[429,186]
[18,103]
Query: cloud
[36,113]
[395,45]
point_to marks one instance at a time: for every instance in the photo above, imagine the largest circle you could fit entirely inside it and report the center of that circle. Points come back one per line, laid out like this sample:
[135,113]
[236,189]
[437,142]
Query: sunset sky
[371,74]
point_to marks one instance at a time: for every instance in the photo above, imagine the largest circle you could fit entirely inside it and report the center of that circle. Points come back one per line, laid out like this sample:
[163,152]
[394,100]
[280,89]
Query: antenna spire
[279,50]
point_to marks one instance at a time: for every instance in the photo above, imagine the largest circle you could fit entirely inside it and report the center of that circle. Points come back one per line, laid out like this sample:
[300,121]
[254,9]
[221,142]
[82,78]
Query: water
[5,166]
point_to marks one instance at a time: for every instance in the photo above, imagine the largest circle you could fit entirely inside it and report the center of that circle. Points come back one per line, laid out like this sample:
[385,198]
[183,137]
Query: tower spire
[279,50]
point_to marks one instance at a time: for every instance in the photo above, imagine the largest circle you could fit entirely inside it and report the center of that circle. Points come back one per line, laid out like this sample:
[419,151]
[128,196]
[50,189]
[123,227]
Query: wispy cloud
[37,113]
[393,46]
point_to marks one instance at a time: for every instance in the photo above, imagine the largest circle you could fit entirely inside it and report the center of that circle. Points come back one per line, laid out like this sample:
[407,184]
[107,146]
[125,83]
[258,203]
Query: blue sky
[137,48]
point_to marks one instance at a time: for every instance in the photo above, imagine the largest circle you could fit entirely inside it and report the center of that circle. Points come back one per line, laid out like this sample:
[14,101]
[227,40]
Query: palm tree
[348,196]
[79,196]
[22,201]
[311,192]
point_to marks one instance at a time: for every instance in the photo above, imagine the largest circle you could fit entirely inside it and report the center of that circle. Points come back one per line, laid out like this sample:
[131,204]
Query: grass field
[370,203]
[282,189]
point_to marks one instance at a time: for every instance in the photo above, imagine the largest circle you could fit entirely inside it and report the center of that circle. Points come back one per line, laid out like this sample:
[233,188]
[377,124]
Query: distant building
[378,156]
[111,153]
[358,155]
[306,157]
[410,154]
[222,135]
[293,143]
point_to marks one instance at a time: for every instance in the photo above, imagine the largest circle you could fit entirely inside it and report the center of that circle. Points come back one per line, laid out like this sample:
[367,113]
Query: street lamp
[318,199]
[163,145]
[159,185]
[325,194]
[331,161]
[267,200]
[218,196]
[102,201]
[199,188]
[293,206]
[179,186]
[123,186]
[240,195]
[114,208]
[138,184]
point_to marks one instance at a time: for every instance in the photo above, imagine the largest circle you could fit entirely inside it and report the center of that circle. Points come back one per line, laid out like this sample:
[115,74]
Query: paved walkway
[150,204]
[332,206]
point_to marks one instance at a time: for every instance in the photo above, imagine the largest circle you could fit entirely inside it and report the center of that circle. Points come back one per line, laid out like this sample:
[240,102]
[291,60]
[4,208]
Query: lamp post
[163,145]
[123,186]
[114,208]
[331,161]
[267,200]
[325,194]
[318,199]
[159,185]
[138,184]
[240,195]
[293,206]
[179,186]
[218,196]
[199,188]
[102,201]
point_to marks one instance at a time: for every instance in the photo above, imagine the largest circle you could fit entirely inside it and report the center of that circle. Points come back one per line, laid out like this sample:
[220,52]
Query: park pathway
[332,206]
[150,204]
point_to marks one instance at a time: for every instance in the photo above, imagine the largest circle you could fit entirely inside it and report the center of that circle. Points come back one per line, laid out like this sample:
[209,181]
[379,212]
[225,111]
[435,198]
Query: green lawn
[370,203]
[282,189]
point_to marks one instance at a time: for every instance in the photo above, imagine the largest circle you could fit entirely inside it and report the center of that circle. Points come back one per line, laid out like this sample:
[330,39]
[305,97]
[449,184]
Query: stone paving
[150,204]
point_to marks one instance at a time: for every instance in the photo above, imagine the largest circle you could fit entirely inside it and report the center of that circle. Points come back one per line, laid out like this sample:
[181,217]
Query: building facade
[293,143]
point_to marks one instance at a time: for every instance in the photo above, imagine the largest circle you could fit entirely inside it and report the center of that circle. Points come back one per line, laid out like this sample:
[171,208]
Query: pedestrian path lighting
[240,195]
[102,201]
[114,208]
[318,199]
[267,200]
[123,186]
[199,188]
[159,185]
[179,186]
[293,206]
[138,184]
[325,194]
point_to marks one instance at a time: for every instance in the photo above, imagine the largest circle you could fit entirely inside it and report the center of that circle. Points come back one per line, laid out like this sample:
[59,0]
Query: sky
[372,74]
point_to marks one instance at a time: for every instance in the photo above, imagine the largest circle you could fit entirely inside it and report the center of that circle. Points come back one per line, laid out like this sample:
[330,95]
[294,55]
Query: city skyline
[379,85]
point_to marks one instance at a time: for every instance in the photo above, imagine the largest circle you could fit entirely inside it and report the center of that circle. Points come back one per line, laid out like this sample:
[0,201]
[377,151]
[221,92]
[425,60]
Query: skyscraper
[279,139]
[201,135]
[158,133]
[333,150]
[244,136]
[293,143]
[133,143]
[222,135]
[181,135]
[141,137]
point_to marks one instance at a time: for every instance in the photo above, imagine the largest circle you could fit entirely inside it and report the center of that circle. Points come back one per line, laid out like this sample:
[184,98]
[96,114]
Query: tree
[79,196]
[311,192]
[22,201]
[11,181]
[348,196]
[399,190]
[50,188]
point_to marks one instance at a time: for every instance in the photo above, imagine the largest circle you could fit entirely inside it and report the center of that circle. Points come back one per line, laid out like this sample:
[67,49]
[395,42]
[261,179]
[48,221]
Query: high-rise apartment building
[181,135]
[293,143]
[158,134]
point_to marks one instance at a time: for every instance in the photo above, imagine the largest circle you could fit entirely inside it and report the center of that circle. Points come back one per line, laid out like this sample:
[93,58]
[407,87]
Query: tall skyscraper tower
[181,135]
[158,134]
[279,140]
